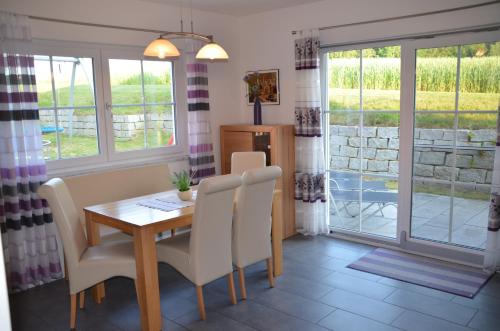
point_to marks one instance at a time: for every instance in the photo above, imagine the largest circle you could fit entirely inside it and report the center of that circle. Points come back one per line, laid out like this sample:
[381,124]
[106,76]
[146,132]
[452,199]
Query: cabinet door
[235,141]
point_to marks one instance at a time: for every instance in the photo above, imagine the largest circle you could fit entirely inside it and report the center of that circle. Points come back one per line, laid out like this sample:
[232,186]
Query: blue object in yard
[51,129]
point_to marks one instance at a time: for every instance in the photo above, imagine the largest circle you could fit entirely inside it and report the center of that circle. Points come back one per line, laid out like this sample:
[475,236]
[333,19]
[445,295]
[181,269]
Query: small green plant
[182,180]
[470,135]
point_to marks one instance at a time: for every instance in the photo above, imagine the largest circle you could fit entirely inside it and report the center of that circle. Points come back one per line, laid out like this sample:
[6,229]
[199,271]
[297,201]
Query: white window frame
[107,157]
[406,124]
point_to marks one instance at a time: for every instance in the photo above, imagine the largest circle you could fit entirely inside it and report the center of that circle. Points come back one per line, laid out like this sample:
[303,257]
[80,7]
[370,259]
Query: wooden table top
[130,212]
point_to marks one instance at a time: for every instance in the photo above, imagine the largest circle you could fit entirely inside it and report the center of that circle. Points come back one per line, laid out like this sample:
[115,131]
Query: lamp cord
[191,14]
[182,23]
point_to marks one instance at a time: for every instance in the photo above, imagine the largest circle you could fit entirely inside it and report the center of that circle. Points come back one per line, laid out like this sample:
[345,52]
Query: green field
[80,146]
[477,74]
[344,106]
[121,94]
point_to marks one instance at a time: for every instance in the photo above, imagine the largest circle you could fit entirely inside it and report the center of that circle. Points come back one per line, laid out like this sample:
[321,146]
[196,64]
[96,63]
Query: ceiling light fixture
[163,48]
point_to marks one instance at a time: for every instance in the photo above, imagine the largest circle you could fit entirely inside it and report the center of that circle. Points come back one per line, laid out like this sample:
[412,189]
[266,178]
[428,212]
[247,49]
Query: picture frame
[270,87]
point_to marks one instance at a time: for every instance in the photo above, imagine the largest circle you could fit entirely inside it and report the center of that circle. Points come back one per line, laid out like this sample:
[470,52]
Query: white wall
[223,91]
[266,41]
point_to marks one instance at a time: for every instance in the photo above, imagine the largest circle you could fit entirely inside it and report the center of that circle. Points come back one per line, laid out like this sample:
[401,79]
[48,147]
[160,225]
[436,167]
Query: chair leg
[66,277]
[72,320]
[230,284]
[99,292]
[201,302]
[270,276]
[241,277]
[82,299]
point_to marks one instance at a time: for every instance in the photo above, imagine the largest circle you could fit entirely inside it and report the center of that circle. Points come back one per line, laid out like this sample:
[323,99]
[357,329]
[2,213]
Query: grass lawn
[373,100]
[121,94]
[80,146]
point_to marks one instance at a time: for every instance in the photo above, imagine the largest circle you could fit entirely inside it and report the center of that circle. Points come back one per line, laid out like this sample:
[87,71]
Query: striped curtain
[310,166]
[28,233]
[201,151]
[492,254]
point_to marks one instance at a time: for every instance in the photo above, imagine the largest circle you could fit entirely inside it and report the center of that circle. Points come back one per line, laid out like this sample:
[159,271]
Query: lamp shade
[161,48]
[212,51]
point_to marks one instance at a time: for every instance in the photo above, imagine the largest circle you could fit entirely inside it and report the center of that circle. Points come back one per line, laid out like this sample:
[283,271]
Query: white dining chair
[87,265]
[252,221]
[204,254]
[241,161]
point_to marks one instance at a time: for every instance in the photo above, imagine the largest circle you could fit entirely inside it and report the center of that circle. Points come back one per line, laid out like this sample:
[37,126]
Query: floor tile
[480,301]
[312,272]
[214,322]
[413,321]
[262,317]
[485,321]
[417,288]
[357,285]
[294,305]
[341,320]
[303,287]
[361,305]
[447,310]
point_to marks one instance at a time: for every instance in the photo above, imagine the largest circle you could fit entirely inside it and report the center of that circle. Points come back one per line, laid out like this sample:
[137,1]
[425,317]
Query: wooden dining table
[143,224]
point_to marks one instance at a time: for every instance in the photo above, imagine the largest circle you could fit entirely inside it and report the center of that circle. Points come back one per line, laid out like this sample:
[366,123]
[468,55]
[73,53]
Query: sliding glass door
[457,96]
[411,130]
[363,100]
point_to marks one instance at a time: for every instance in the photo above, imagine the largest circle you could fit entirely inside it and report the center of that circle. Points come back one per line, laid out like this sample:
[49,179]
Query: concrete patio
[430,219]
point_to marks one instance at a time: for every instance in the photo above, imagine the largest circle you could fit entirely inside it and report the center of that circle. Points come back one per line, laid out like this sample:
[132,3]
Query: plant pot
[185,195]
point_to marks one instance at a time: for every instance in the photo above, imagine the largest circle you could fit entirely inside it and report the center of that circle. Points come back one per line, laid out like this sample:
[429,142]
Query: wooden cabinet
[278,142]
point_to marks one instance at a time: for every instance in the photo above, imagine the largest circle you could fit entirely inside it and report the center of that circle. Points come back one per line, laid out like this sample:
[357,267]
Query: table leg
[94,238]
[277,233]
[147,278]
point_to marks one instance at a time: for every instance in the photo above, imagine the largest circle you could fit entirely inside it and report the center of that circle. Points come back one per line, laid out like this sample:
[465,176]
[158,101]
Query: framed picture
[269,84]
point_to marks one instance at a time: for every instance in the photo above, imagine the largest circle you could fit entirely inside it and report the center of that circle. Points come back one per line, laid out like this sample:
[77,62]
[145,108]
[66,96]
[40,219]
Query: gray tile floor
[315,292]
[430,219]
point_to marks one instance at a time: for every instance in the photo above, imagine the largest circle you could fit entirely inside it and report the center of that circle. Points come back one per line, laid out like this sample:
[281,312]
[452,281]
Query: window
[101,105]
[363,115]
[457,95]
[66,99]
[142,99]
[411,131]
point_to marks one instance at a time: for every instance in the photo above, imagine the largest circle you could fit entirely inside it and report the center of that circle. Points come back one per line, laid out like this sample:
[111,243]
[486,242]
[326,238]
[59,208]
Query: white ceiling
[236,7]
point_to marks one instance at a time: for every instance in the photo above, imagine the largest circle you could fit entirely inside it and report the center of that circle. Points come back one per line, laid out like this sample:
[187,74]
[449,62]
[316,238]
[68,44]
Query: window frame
[136,54]
[406,124]
[107,157]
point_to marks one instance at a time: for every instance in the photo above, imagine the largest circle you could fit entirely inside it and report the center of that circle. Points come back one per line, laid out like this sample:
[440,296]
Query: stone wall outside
[124,126]
[433,157]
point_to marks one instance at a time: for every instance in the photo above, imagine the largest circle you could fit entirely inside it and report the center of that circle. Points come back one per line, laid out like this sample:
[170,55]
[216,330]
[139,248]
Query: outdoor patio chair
[348,188]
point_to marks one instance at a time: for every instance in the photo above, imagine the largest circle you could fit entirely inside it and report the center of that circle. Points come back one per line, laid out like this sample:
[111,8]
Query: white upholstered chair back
[252,216]
[67,221]
[241,161]
[210,242]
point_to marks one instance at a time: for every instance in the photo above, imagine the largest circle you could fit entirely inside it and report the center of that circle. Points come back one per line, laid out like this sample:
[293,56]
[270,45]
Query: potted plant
[182,182]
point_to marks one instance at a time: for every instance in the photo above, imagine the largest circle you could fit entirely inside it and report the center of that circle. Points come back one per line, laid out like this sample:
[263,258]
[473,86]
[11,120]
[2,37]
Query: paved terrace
[430,219]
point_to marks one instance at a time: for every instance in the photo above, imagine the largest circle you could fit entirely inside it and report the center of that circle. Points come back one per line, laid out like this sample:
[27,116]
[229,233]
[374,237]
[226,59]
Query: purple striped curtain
[310,196]
[201,151]
[28,233]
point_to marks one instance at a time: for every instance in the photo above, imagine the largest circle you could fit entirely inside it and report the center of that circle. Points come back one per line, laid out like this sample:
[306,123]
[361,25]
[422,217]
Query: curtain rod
[427,35]
[97,25]
[408,16]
